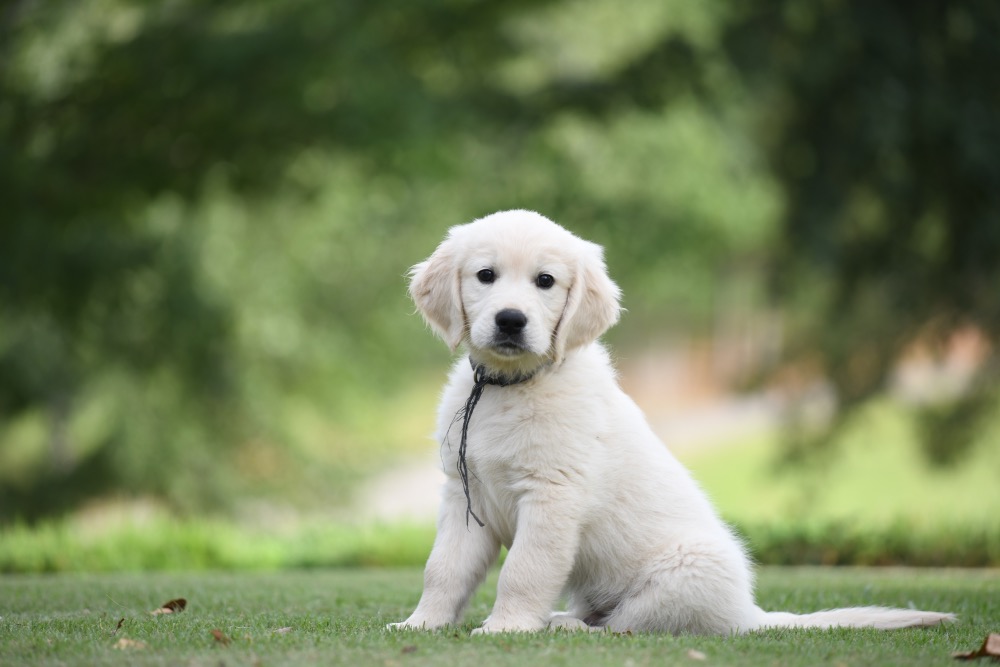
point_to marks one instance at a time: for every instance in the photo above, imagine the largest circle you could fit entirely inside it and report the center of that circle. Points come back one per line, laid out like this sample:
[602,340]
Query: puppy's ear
[592,305]
[434,287]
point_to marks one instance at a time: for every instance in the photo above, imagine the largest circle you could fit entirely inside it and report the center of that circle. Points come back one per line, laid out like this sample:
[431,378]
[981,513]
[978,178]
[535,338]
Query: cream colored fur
[563,468]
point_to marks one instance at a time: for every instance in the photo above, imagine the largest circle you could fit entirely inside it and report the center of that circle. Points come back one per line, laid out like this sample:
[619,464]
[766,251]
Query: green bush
[165,544]
[838,543]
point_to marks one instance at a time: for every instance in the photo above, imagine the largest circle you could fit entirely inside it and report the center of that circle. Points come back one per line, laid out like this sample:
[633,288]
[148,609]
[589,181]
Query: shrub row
[840,543]
[168,544]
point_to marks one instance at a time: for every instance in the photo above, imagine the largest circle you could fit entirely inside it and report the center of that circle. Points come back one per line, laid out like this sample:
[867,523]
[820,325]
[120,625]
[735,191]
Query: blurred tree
[120,119]
[109,106]
[880,122]
[118,116]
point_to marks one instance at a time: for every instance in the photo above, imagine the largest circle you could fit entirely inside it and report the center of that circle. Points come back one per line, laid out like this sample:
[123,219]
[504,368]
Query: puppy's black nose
[510,321]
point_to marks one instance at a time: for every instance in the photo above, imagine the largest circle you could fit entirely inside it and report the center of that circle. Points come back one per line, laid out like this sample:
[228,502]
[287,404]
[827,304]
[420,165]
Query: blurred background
[208,209]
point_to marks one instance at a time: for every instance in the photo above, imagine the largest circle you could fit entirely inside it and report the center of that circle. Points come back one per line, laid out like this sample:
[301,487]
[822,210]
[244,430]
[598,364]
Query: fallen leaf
[695,654]
[127,644]
[171,607]
[409,649]
[282,631]
[220,637]
[989,649]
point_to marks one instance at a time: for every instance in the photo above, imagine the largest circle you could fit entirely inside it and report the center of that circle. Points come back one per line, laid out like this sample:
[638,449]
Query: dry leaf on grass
[695,654]
[283,631]
[989,649]
[171,607]
[221,637]
[410,648]
[124,644]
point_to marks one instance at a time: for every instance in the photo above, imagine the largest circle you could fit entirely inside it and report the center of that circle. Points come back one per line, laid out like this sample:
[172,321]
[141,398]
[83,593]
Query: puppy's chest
[508,439]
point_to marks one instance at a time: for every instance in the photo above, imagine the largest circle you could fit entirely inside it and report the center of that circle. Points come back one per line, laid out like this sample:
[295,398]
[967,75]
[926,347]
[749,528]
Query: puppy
[545,451]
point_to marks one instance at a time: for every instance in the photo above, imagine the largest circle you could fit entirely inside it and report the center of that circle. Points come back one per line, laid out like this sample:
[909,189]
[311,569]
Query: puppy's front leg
[457,565]
[536,569]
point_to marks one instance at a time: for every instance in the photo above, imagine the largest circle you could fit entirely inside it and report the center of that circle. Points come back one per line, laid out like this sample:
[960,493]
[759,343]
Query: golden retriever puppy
[547,456]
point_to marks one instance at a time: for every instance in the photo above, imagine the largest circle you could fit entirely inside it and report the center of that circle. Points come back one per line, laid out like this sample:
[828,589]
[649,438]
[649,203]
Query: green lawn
[876,475]
[336,617]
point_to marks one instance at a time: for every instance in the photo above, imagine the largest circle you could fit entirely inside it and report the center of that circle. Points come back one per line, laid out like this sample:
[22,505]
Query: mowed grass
[337,617]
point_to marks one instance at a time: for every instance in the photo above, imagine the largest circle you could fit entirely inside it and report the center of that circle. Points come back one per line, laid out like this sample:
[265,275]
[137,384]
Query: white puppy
[560,465]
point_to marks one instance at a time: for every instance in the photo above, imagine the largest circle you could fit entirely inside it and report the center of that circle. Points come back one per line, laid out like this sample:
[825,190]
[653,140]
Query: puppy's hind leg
[700,592]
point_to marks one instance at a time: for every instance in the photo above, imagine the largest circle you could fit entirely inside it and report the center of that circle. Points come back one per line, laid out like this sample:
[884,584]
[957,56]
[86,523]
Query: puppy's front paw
[567,622]
[491,627]
[415,623]
[402,625]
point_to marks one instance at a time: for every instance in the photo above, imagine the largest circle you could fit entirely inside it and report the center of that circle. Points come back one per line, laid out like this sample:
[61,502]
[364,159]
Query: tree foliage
[209,205]
[881,130]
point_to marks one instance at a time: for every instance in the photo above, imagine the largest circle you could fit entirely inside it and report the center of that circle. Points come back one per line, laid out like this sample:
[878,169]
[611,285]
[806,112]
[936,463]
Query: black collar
[481,376]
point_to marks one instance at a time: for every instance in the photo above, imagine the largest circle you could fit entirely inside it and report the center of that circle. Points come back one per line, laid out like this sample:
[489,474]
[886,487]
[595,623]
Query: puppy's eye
[486,276]
[545,281]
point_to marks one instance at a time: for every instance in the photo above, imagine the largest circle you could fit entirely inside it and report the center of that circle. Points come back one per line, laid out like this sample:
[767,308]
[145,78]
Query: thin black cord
[480,379]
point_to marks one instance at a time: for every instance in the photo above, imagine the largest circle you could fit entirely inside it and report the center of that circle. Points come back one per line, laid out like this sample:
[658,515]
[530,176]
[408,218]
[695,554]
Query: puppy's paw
[567,622]
[414,623]
[491,627]
[402,625]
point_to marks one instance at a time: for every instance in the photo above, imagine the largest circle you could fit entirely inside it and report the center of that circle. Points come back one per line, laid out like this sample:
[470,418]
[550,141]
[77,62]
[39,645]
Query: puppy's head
[517,289]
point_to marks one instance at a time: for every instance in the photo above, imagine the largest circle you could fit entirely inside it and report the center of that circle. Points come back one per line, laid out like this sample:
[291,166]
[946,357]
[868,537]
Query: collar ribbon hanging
[481,378]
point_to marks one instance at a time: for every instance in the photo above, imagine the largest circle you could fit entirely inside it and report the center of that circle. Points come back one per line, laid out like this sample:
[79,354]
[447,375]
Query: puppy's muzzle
[509,335]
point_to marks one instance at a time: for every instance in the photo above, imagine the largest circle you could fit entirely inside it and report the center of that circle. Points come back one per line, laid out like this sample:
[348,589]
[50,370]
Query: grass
[876,475]
[336,617]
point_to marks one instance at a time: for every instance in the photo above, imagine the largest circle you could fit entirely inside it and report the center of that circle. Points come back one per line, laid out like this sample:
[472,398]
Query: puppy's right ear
[435,288]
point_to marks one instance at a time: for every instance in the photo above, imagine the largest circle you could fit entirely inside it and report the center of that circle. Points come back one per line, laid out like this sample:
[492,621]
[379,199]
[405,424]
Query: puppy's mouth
[508,346]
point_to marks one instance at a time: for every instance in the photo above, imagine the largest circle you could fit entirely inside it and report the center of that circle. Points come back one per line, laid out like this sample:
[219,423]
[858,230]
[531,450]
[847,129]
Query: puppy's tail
[881,618]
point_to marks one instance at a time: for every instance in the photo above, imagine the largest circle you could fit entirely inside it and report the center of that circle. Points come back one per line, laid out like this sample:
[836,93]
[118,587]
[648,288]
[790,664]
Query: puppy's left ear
[592,306]
[435,289]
